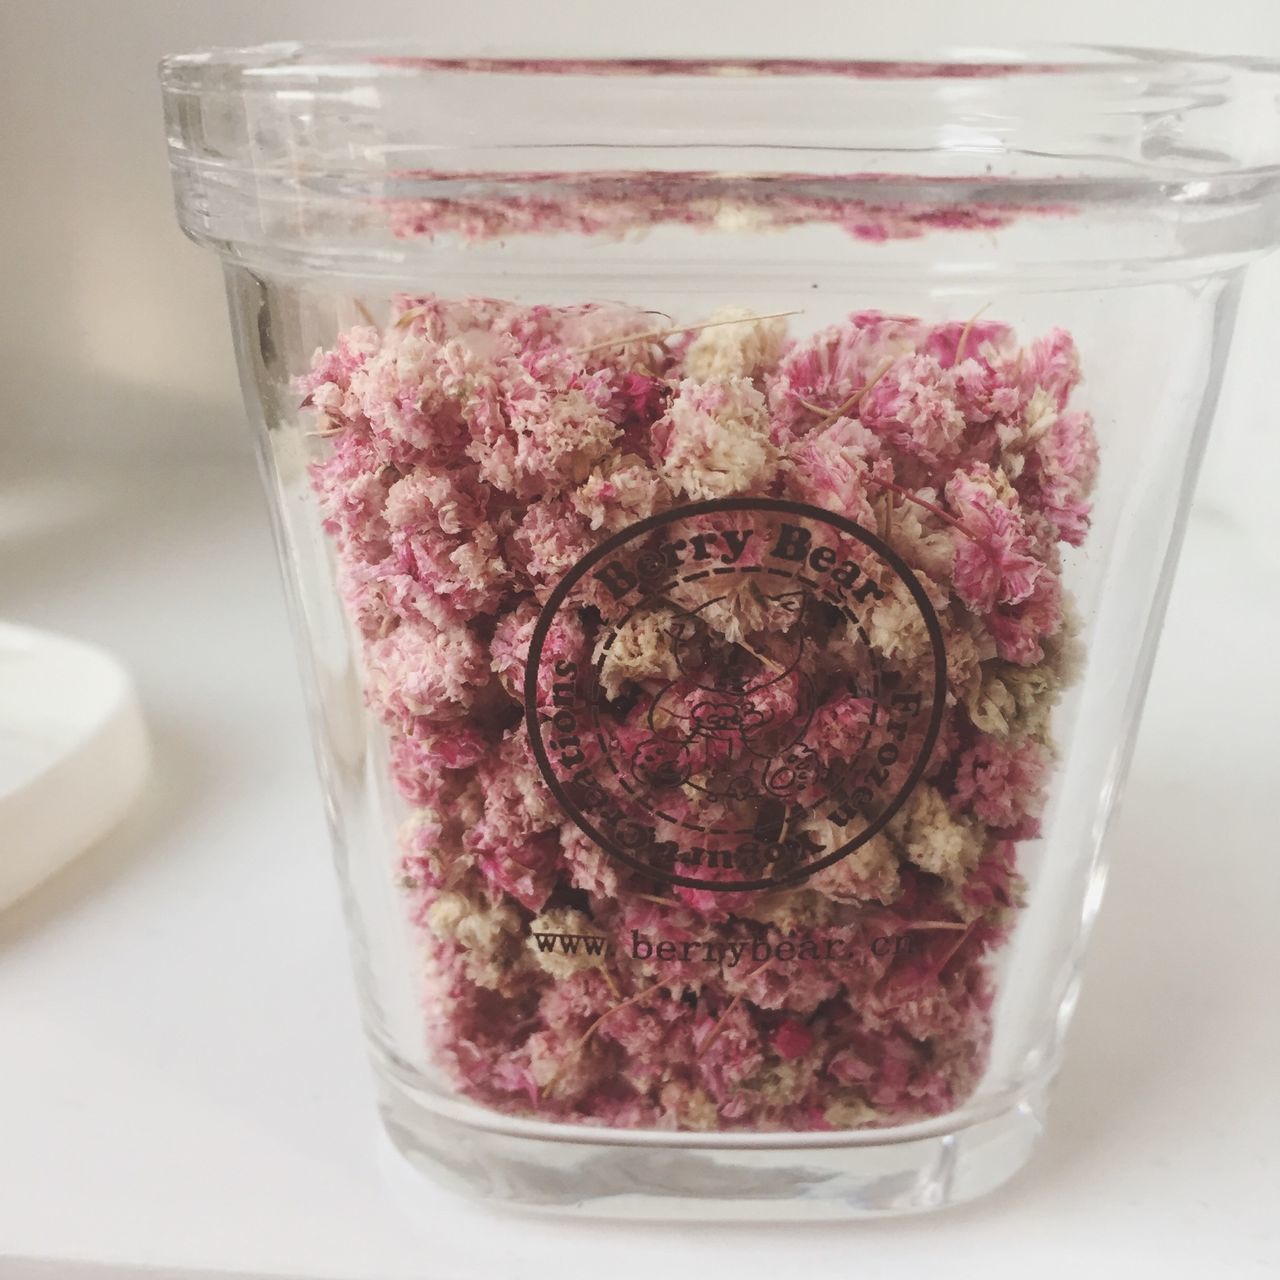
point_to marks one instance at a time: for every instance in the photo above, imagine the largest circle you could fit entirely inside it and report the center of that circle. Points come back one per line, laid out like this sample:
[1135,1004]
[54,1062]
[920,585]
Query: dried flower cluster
[473,452]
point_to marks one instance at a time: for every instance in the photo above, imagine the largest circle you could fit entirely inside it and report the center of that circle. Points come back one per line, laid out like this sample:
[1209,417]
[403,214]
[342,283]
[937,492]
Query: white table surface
[182,1084]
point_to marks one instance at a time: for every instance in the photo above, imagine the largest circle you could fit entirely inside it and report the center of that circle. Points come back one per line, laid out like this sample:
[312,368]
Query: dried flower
[470,453]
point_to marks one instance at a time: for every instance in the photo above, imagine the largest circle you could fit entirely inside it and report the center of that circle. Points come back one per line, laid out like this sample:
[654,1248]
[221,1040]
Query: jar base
[661,1176]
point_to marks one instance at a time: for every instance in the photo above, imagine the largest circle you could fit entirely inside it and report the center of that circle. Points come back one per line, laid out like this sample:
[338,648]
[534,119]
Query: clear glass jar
[728,511]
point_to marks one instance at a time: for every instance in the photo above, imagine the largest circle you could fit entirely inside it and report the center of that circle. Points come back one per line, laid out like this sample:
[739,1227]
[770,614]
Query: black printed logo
[705,701]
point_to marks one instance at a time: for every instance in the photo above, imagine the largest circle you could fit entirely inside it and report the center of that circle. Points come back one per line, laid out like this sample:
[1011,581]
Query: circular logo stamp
[705,698]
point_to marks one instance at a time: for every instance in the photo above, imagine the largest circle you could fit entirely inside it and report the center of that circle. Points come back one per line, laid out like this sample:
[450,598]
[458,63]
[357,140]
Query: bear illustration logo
[731,723]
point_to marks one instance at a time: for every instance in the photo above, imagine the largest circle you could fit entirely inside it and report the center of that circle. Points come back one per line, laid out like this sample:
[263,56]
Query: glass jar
[728,510]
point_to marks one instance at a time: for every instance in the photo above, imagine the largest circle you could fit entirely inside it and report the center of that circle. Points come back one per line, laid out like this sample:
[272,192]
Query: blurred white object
[73,753]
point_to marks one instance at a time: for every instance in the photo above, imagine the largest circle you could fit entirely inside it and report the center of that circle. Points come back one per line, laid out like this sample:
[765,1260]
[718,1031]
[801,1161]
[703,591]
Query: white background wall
[112,325]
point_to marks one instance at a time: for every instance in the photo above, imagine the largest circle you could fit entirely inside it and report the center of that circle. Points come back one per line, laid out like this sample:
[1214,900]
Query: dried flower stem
[656,335]
[719,1027]
[964,333]
[729,1008]
[570,1057]
[952,950]
[763,659]
[833,415]
[921,502]
[608,977]
[651,897]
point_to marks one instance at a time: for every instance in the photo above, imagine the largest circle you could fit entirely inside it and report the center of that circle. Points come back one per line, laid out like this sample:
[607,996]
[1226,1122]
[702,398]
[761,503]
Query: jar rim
[269,62]
[1110,109]
[319,141]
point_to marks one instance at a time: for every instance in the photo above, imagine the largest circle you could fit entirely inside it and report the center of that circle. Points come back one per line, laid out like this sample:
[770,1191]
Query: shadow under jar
[728,510]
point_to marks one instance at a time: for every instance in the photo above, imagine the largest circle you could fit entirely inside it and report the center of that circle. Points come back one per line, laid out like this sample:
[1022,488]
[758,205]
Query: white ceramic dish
[73,753]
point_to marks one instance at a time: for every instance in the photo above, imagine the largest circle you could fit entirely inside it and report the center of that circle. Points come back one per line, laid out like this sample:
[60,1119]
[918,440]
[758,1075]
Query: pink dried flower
[1067,457]
[1053,364]
[418,759]
[1001,781]
[422,671]
[819,378]
[1019,631]
[912,407]
[995,562]
[714,439]
[641,397]
[831,468]
[472,453]
[792,1040]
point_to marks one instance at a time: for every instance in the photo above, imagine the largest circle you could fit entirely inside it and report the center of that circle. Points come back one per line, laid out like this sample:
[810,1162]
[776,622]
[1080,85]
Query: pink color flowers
[471,453]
